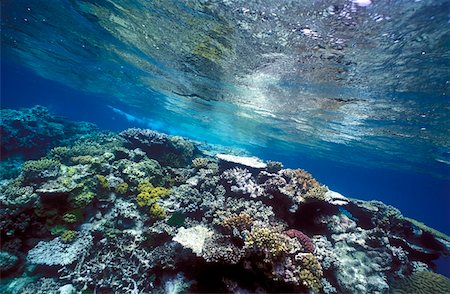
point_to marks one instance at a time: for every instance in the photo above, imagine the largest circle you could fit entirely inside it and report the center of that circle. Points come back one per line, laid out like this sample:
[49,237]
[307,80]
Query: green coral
[73,216]
[69,236]
[122,188]
[422,283]
[58,230]
[82,199]
[69,218]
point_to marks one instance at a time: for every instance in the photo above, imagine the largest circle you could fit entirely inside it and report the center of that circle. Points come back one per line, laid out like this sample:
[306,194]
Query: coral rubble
[144,212]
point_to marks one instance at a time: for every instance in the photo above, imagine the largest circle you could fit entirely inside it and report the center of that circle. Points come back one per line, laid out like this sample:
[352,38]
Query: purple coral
[306,242]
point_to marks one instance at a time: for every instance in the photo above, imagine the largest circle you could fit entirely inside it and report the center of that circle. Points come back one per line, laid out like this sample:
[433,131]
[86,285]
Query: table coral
[193,238]
[40,170]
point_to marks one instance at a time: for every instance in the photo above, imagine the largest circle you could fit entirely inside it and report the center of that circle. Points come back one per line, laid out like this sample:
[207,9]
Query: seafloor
[86,211]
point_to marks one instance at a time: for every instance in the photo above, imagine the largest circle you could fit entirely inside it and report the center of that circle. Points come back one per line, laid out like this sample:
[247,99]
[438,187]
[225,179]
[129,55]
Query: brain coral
[423,283]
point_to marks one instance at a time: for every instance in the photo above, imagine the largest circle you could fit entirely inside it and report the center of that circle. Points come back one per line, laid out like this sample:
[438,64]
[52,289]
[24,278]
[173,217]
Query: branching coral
[199,162]
[241,181]
[269,242]
[311,271]
[240,222]
[301,185]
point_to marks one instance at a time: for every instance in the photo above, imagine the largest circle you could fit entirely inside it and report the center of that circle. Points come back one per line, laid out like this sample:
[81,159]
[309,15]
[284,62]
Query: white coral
[253,162]
[193,238]
[55,252]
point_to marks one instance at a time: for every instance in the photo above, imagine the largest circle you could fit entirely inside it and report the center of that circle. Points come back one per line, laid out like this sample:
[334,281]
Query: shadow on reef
[144,212]
[31,133]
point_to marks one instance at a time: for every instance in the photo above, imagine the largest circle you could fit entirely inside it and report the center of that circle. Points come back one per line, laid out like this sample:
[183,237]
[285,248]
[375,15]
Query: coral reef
[32,132]
[168,150]
[59,252]
[130,213]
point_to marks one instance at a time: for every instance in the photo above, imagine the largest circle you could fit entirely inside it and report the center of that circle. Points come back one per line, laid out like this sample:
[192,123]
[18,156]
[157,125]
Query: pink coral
[306,242]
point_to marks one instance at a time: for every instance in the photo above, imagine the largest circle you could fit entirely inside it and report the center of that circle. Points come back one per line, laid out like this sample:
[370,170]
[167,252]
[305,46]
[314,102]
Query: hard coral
[40,170]
[102,182]
[122,188]
[168,150]
[32,132]
[423,283]
[199,162]
[311,271]
[267,241]
[148,194]
[81,199]
[157,211]
[69,236]
[240,222]
[301,185]
[304,240]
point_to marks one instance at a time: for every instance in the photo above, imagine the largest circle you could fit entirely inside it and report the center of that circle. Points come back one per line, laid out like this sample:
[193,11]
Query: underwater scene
[225,146]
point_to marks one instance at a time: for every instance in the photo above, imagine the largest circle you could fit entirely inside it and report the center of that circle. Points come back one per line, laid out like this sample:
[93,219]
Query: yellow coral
[310,280]
[69,236]
[157,211]
[69,218]
[311,271]
[145,186]
[82,159]
[268,241]
[102,182]
[149,194]
[122,188]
